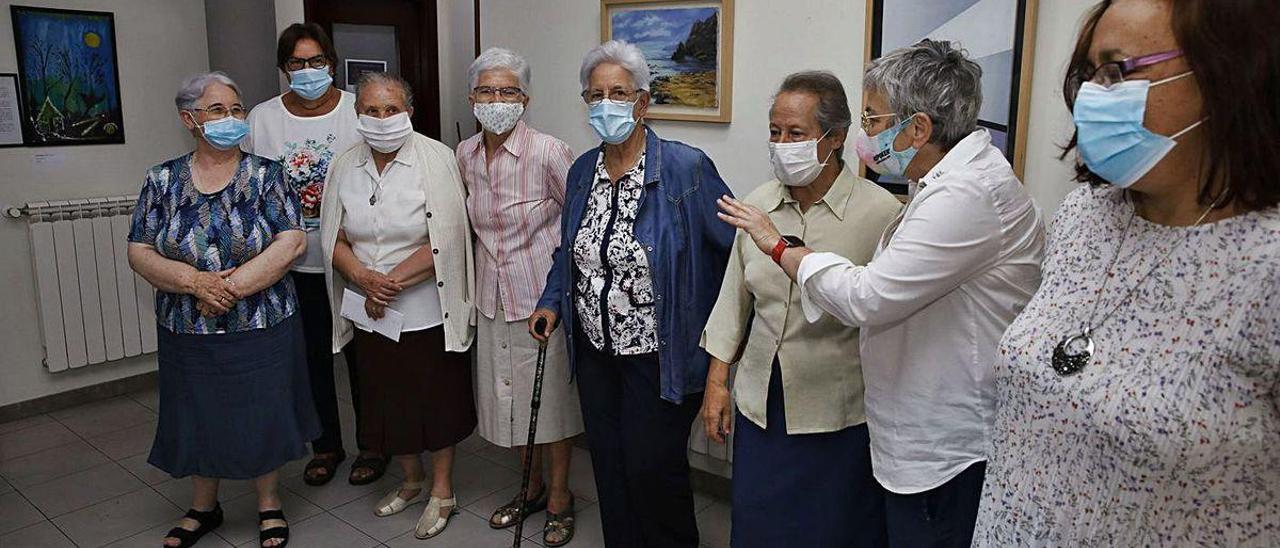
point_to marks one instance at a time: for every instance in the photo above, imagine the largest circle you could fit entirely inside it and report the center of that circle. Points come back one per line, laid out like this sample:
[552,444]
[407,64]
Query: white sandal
[392,504]
[431,524]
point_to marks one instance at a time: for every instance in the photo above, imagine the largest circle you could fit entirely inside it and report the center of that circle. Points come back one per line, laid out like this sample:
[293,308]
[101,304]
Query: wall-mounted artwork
[70,77]
[999,35]
[689,46]
[355,68]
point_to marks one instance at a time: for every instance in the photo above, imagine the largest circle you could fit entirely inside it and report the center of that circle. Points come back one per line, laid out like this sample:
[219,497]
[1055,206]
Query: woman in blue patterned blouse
[215,232]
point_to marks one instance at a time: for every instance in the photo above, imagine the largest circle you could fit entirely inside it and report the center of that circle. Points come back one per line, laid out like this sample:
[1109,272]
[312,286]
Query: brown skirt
[414,396]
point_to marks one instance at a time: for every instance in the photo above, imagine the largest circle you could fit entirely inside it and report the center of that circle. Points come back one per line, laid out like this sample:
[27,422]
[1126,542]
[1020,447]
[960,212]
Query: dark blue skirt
[234,405]
[803,489]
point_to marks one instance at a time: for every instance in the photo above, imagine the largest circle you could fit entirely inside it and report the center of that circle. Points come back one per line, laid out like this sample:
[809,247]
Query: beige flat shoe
[431,523]
[392,504]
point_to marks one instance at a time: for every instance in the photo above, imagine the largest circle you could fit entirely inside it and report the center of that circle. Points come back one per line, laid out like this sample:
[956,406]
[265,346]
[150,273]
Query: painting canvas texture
[70,83]
[682,47]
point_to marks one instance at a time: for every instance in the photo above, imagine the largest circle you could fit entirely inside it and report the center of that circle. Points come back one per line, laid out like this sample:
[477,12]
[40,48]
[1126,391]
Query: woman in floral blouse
[215,232]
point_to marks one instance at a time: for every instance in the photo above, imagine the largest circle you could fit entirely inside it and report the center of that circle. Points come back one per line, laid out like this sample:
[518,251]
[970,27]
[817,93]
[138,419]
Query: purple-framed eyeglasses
[1114,72]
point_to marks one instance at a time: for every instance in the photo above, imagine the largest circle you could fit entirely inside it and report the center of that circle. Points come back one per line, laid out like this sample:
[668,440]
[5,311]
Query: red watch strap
[778,248]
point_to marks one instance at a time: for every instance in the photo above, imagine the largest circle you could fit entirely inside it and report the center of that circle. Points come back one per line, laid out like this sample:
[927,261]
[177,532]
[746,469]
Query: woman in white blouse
[951,272]
[398,236]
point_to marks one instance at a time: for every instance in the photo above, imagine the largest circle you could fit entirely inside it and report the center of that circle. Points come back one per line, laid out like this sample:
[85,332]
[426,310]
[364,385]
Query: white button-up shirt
[949,276]
[387,232]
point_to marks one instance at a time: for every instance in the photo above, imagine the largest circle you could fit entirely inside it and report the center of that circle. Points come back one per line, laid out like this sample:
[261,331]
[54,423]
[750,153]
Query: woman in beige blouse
[802,463]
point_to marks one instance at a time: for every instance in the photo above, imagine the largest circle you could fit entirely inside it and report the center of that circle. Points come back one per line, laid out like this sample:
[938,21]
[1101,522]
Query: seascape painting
[69,74]
[686,44]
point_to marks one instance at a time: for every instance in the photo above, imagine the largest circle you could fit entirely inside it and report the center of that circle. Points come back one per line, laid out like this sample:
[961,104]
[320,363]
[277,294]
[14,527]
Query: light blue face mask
[612,120]
[878,153]
[310,83]
[1109,133]
[224,133]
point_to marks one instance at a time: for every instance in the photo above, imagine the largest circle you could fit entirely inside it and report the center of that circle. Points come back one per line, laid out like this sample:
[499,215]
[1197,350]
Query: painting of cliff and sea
[689,48]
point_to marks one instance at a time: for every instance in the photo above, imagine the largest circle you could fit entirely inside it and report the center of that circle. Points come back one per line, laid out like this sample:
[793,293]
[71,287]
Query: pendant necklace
[376,187]
[1074,352]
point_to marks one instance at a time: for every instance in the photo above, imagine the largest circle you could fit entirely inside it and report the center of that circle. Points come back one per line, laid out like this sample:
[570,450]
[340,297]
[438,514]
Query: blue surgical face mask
[1109,133]
[878,153]
[612,120]
[224,133]
[310,83]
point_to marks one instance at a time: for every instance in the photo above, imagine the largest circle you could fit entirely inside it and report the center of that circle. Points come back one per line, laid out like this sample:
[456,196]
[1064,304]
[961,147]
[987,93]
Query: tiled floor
[79,477]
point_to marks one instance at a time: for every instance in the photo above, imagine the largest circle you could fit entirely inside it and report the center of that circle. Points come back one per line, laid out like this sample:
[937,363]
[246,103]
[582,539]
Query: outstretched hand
[752,220]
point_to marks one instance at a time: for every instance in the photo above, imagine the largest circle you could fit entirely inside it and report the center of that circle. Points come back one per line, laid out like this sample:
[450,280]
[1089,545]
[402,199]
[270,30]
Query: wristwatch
[782,245]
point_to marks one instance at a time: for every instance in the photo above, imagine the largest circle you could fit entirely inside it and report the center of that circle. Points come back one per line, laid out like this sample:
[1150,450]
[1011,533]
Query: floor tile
[701,501]
[16,513]
[473,443]
[16,425]
[143,470]
[104,416]
[241,513]
[118,518]
[51,464]
[713,525]
[40,535]
[128,442]
[81,489]
[502,456]
[323,531]
[484,506]
[154,537]
[26,441]
[476,478]
[5,487]
[337,492]
[178,490]
[465,531]
[359,514]
[582,479]
[149,398]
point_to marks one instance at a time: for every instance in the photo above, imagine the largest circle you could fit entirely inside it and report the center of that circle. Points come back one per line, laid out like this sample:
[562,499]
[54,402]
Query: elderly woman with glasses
[515,177]
[215,232]
[634,278]
[1138,395]
[949,275]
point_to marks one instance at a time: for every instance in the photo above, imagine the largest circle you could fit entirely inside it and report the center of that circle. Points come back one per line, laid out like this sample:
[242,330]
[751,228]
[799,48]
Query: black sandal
[274,533]
[377,464]
[208,520]
[559,524]
[505,515]
[329,463]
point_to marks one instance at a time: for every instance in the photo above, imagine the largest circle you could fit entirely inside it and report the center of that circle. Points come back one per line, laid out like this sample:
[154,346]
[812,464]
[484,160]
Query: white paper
[389,326]
[10,121]
[47,161]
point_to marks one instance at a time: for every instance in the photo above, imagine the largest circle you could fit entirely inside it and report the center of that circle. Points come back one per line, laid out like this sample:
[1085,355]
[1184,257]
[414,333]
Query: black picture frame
[96,126]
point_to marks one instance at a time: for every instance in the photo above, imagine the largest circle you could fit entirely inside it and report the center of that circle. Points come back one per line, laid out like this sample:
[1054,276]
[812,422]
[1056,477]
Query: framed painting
[69,74]
[355,68]
[999,35]
[689,46]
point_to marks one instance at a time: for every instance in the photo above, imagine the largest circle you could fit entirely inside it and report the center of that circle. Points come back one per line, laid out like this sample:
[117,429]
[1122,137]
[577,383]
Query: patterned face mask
[498,118]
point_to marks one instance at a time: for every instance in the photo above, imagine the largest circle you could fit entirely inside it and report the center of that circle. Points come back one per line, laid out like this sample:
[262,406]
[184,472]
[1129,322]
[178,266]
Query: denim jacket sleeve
[553,292]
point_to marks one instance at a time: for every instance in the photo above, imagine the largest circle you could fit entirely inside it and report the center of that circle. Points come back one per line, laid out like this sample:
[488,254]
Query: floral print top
[1170,435]
[215,232]
[305,165]
[614,293]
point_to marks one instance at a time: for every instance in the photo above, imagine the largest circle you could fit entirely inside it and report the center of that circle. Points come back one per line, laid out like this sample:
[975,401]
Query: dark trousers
[638,447]
[942,517]
[317,331]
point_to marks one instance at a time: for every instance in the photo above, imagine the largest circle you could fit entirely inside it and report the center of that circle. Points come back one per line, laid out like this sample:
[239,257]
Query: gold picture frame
[691,83]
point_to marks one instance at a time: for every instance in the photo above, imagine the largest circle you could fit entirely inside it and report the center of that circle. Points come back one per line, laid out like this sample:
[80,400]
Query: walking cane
[534,404]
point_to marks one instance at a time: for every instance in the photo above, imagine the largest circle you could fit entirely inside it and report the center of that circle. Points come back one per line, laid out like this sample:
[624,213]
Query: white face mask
[385,134]
[797,164]
[498,118]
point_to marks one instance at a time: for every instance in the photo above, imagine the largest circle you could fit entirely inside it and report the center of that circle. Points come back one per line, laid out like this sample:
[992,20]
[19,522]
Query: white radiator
[93,308]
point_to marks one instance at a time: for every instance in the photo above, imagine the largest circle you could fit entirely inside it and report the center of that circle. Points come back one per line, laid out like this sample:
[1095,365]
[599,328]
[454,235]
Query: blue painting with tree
[69,76]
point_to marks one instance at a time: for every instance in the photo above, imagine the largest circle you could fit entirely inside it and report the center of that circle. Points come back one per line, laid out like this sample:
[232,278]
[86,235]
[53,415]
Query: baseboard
[79,396]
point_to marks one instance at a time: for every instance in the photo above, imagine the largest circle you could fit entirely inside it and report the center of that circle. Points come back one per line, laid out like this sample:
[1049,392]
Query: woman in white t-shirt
[305,128]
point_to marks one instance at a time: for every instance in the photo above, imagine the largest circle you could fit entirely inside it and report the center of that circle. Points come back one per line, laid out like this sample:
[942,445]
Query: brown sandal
[560,527]
[505,515]
[329,463]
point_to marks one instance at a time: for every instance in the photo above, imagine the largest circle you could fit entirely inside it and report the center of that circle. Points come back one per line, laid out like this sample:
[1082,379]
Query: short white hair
[192,88]
[619,52]
[499,59]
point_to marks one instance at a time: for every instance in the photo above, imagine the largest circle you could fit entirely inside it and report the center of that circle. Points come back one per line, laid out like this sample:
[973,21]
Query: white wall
[160,42]
[772,39]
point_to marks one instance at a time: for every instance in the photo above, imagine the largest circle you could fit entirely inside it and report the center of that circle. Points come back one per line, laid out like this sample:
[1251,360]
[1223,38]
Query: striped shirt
[514,202]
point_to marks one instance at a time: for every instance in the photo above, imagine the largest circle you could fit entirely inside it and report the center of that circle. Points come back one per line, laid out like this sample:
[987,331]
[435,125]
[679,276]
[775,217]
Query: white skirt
[506,358]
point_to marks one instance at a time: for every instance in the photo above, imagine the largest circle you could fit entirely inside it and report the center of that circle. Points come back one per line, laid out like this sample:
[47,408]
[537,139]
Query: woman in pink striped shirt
[515,178]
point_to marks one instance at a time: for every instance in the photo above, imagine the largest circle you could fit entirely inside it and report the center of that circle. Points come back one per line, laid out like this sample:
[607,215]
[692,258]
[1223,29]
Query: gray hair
[192,88]
[499,59]
[935,78]
[385,79]
[619,52]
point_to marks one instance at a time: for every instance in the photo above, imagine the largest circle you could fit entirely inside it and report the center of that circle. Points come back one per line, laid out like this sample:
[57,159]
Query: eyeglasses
[595,96]
[486,93]
[218,111]
[297,63]
[867,118]
[1114,72]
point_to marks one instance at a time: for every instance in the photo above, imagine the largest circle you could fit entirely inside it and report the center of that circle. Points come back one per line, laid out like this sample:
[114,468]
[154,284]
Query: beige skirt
[506,358]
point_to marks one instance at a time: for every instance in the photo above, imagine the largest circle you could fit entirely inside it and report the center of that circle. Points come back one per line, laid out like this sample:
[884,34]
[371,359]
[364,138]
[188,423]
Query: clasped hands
[379,291]
[215,293]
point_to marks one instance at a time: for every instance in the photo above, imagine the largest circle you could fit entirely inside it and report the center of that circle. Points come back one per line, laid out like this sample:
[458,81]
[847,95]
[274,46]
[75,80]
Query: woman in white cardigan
[396,233]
